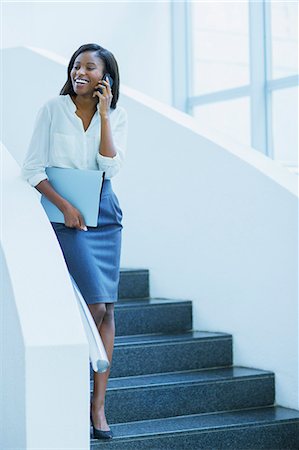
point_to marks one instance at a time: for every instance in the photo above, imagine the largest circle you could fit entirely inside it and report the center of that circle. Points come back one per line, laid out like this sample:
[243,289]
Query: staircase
[171,387]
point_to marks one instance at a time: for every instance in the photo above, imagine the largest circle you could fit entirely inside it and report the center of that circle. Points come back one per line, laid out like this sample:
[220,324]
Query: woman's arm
[36,159]
[72,217]
[34,172]
[107,147]
[106,144]
[110,156]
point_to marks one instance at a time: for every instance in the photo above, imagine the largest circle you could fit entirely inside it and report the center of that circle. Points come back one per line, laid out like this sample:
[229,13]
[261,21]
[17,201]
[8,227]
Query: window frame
[261,86]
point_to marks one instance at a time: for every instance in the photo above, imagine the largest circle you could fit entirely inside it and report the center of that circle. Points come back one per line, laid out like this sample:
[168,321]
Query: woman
[84,128]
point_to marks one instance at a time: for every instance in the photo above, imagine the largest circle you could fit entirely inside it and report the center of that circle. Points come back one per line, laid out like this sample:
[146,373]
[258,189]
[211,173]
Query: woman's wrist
[63,205]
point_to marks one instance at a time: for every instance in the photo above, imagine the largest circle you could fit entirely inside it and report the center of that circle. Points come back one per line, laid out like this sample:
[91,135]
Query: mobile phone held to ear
[106,75]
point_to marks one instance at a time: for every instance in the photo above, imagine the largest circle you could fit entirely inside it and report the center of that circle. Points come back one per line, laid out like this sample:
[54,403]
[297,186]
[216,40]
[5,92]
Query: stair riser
[169,357]
[128,405]
[153,319]
[133,284]
[275,437]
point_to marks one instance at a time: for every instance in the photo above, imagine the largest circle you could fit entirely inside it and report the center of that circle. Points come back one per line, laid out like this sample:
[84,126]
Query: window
[243,59]
[284,38]
[285,125]
[230,117]
[220,45]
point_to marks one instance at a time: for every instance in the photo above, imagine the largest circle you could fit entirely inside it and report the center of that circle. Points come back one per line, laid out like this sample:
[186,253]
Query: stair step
[152,315]
[156,353]
[133,283]
[260,428]
[188,392]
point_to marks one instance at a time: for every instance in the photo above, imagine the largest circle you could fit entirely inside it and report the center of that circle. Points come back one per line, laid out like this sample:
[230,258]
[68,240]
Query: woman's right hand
[73,217]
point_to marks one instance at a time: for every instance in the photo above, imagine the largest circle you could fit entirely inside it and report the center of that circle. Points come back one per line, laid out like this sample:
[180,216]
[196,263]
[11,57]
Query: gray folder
[81,188]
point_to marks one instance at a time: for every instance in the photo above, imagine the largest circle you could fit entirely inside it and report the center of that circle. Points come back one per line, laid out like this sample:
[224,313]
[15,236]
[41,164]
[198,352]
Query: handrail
[45,376]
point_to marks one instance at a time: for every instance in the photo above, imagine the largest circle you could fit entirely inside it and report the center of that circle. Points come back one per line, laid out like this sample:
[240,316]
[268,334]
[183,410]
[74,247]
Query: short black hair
[110,66]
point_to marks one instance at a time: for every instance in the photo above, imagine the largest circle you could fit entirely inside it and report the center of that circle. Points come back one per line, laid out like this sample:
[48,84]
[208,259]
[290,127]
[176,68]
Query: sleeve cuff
[105,162]
[36,179]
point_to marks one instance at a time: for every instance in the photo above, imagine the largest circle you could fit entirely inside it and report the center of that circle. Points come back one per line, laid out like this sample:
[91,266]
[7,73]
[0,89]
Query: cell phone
[106,75]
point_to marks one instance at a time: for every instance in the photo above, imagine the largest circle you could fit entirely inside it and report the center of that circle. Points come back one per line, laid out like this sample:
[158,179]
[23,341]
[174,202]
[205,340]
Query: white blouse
[59,140]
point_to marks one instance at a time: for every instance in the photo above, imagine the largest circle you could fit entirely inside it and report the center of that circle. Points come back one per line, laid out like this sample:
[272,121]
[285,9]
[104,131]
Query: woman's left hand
[105,99]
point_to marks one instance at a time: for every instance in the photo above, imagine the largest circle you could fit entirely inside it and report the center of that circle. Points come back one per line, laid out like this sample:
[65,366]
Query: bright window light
[285,125]
[284,31]
[220,45]
[230,117]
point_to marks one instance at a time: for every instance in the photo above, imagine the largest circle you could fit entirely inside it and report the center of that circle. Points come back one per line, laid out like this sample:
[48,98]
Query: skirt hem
[101,299]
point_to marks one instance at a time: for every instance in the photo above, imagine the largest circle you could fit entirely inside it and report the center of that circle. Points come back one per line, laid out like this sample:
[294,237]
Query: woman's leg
[103,315]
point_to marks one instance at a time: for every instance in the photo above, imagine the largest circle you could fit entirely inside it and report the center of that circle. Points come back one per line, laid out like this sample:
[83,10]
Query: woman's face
[87,71]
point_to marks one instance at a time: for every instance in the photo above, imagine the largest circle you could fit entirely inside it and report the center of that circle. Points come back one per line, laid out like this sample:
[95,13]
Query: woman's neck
[85,103]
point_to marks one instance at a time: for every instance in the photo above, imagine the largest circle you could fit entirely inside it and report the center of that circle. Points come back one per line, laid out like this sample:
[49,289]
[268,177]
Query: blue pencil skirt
[93,256]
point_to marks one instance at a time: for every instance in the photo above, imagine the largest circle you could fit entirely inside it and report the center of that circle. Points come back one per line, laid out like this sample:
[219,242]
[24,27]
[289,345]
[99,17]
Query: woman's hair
[110,66]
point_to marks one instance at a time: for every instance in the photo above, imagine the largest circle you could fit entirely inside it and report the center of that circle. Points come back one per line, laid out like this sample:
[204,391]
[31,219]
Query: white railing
[44,381]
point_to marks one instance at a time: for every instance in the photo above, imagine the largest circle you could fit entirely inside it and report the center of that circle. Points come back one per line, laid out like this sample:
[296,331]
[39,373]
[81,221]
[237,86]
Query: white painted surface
[137,32]
[219,226]
[21,105]
[44,380]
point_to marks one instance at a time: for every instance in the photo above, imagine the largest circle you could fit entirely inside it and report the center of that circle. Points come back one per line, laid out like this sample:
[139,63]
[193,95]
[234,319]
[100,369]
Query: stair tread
[161,338]
[205,422]
[189,376]
[128,302]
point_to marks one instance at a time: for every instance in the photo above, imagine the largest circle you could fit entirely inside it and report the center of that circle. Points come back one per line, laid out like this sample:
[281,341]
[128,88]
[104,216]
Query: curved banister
[44,352]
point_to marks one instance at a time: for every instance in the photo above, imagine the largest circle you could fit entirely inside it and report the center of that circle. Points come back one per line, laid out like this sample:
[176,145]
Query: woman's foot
[98,418]
[101,429]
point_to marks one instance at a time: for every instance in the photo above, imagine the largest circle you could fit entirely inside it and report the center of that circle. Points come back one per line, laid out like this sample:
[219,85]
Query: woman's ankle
[97,405]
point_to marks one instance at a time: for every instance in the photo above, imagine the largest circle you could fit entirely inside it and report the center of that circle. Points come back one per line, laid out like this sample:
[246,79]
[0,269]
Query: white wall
[215,223]
[44,377]
[22,103]
[138,34]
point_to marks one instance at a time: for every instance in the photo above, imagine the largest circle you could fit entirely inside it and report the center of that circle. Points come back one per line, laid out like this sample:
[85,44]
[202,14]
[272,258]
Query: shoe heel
[100,434]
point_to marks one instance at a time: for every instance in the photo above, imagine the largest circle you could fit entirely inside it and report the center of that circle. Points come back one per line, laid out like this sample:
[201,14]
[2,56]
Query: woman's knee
[109,315]
[98,312]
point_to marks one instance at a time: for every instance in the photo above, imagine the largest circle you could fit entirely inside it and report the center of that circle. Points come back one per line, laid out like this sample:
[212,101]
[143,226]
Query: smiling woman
[96,61]
[86,63]
[84,128]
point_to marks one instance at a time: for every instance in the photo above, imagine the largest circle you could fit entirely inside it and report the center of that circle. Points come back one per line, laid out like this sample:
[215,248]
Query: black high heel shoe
[100,434]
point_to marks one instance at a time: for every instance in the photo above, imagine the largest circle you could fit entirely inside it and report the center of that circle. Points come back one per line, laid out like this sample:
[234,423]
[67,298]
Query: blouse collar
[73,105]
